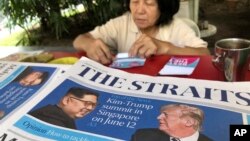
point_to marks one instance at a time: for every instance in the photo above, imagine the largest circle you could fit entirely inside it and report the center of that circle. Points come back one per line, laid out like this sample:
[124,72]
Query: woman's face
[145,13]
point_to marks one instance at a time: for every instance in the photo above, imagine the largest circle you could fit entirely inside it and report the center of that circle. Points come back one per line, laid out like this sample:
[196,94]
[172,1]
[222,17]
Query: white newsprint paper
[128,102]
[21,82]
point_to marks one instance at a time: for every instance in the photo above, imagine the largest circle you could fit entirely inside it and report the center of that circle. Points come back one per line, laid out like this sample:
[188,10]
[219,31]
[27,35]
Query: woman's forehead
[146,0]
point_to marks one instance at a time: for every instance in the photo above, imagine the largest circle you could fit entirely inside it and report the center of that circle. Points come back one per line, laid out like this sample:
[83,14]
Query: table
[7,50]
[204,70]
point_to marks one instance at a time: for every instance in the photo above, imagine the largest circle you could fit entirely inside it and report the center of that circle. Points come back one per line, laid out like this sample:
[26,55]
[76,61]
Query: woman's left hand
[144,47]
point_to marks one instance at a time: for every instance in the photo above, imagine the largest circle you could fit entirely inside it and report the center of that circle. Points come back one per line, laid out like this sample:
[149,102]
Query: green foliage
[14,39]
[104,10]
[58,17]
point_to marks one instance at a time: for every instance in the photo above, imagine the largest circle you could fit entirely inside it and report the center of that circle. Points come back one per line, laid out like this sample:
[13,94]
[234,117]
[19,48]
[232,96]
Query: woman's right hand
[95,49]
[99,52]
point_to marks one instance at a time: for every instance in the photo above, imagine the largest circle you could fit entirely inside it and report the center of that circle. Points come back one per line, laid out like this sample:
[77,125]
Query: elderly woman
[149,28]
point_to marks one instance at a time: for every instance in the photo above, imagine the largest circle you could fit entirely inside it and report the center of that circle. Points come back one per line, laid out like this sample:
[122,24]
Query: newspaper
[17,86]
[128,102]
[180,66]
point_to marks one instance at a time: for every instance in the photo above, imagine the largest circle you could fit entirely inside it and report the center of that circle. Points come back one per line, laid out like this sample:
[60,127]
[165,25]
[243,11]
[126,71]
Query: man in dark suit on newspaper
[76,103]
[176,123]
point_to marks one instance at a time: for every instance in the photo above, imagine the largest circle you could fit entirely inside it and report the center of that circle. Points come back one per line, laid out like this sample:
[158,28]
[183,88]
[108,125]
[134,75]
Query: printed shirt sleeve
[108,32]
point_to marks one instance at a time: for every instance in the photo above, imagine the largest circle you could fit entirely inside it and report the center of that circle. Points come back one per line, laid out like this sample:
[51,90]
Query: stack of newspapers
[127,102]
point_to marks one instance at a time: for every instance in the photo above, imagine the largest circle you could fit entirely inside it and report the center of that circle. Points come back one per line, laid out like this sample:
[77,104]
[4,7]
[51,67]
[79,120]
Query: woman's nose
[140,8]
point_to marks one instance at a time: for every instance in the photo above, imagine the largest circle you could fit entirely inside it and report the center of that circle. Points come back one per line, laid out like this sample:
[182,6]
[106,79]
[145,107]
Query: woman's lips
[140,21]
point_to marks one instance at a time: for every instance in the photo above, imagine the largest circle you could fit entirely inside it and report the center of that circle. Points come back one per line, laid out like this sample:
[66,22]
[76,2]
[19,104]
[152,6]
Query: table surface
[204,70]
[6,50]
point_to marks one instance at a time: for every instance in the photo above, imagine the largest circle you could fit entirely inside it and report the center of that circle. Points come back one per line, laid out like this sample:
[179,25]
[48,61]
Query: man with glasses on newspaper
[76,103]
[177,122]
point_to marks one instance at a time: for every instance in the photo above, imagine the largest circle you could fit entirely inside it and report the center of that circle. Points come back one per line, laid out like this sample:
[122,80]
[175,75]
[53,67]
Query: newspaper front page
[21,82]
[128,102]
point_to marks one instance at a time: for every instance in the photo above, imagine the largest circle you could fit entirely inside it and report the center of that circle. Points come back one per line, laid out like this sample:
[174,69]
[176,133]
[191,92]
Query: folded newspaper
[123,60]
[180,66]
[127,102]
[20,82]
[34,56]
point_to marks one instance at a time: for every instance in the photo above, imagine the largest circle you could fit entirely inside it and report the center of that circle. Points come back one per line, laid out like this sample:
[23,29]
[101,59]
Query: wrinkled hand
[99,52]
[144,47]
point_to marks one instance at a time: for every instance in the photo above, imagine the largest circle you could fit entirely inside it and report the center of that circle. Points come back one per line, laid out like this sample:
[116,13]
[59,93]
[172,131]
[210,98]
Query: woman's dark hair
[167,8]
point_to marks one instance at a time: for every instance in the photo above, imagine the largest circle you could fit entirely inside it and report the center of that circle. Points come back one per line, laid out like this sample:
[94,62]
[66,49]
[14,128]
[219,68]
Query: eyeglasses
[86,103]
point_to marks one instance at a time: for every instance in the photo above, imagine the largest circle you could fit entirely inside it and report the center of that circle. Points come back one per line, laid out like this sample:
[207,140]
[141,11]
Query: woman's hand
[95,49]
[99,52]
[144,47]
[147,46]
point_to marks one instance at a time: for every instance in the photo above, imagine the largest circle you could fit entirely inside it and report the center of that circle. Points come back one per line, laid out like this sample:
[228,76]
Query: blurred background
[57,23]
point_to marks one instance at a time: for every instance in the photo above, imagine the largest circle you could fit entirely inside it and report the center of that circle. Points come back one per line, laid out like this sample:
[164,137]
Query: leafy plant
[58,17]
